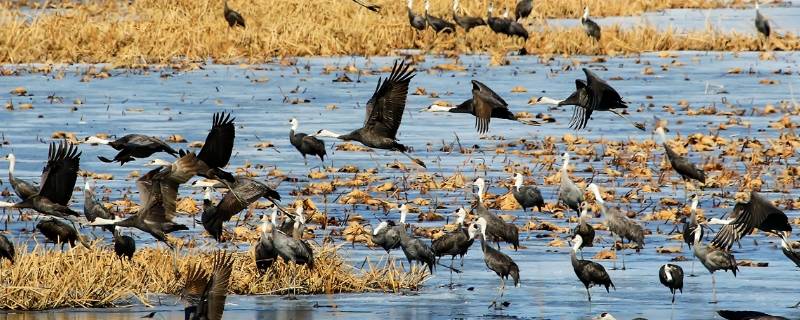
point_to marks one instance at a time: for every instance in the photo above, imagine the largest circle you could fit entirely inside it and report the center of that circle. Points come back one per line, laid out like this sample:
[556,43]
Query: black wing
[60,173]
[216,152]
[759,213]
[385,108]
[217,288]
[581,99]
[602,96]
[484,101]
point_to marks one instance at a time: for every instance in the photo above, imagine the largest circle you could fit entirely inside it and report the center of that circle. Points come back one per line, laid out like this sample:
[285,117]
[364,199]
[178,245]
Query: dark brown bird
[484,101]
[466,22]
[265,251]
[495,260]
[681,165]
[455,243]
[124,246]
[590,273]
[306,144]
[204,294]
[747,315]
[671,276]
[757,213]
[523,9]
[592,28]
[244,188]
[6,249]
[233,18]
[438,24]
[132,146]
[762,24]
[584,229]
[416,21]
[58,232]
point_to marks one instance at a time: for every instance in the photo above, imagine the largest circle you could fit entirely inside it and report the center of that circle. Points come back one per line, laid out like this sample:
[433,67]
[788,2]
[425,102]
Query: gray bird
[387,233]
[495,260]
[681,165]
[466,22]
[762,24]
[22,188]
[455,243]
[590,273]
[618,224]
[131,147]
[584,229]
[713,259]
[292,249]
[690,226]
[591,28]
[245,191]
[568,192]
[527,196]
[523,9]
[671,276]
[306,144]
[497,229]
[414,249]
[416,21]
[438,24]
[265,252]
[92,208]
[233,18]
[6,249]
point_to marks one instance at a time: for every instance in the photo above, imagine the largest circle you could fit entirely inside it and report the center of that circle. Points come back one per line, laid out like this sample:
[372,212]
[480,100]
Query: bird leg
[691,274]
[623,255]
[589,294]
[415,160]
[638,125]
[451,271]
[796,305]
[673,296]
[713,289]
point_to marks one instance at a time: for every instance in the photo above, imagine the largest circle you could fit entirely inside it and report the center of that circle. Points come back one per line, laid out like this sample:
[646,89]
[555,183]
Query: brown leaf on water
[318,175]
[176,138]
[430,216]
[556,243]
[19,91]
[507,202]
[667,250]
[355,197]
[449,67]
[519,89]
[605,255]
[347,146]
[187,205]
[751,263]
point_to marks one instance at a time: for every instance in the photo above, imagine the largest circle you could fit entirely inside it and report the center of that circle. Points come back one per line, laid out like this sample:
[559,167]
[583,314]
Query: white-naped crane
[58,181]
[413,248]
[591,28]
[584,229]
[7,249]
[291,249]
[756,212]
[671,276]
[523,9]
[204,293]
[92,208]
[58,232]
[497,229]
[495,260]
[387,233]
[454,243]
[22,188]
[762,24]
[466,22]
[747,315]
[691,225]
[416,21]
[714,259]
[305,144]
[590,273]
[233,18]
[132,147]
[592,94]
[384,114]
[568,192]
[526,196]
[687,170]
[245,188]
[619,225]
[436,23]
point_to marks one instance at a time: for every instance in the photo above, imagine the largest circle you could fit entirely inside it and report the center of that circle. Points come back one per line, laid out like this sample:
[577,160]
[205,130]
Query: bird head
[380,226]
[518,180]
[585,12]
[695,201]
[491,8]
[474,230]
[427,6]
[10,157]
[461,215]
[95,140]
[577,241]
[435,107]
[157,163]
[604,316]
[596,191]
[207,193]
[293,122]
[89,185]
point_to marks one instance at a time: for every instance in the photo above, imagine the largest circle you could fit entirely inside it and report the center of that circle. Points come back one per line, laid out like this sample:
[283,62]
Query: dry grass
[154,31]
[82,278]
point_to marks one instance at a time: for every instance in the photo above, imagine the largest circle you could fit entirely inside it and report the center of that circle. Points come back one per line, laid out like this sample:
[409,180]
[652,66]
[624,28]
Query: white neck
[584,217]
[482,223]
[96,140]
[328,134]
[264,226]
[480,191]
[756,4]
[578,242]
[491,9]
[548,100]
[410,3]
[697,235]
[785,244]
[695,202]
[438,108]
[207,194]
[12,162]
[403,213]
[505,13]
[661,135]
[379,227]
[4,204]
[586,13]
[462,215]
[719,221]
[104,222]
[518,181]
[566,163]
[89,185]
[597,196]
[427,6]
[455,6]
[294,126]
[667,272]
[274,217]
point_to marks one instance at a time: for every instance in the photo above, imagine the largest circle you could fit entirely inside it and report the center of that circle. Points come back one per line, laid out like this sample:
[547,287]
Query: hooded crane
[58,181]
[58,232]
[371,7]
[592,28]
[387,233]
[497,229]
[593,94]
[756,213]
[416,21]
[156,208]
[414,249]
[6,249]
[497,24]
[233,18]
[466,22]
[438,24]
[618,224]
[292,249]
[204,294]
[384,114]
[247,189]
[527,196]
[484,101]
[523,9]
[124,246]
[515,28]
[454,243]
[690,226]
[568,192]
[584,229]
[747,315]
[306,144]
[132,146]
[786,247]
[92,208]
[681,165]
[265,251]
[671,276]
[713,259]
[762,24]
[495,260]
[590,273]
[22,188]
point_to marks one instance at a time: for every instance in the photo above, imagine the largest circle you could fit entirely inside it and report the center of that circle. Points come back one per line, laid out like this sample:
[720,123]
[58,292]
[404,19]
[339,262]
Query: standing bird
[233,18]
[747,315]
[618,224]
[132,146]
[204,294]
[495,260]
[713,259]
[244,188]
[527,196]
[568,192]
[515,28]
[691,226]
[681,165]
[438,24]
[124,246]
[671,276]
[497,229]
[291,249]
[384,114]
[762,24]
[58,232]
[6,249]
[306,144]
[22,188]
[466,22]
[416,21]
[523,9]
[756,213]
[92,208]
[584,229]
[416,250]
[455,243]
[497,24]
[592,28]
[387,233]
[590,273]
[58,181]
[593,94]
[265,251]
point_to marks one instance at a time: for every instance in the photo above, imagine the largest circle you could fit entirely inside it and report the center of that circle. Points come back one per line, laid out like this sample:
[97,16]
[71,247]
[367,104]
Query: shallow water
[183,102]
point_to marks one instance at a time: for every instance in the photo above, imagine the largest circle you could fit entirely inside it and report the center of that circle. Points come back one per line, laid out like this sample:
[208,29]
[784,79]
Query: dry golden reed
[155,31]
[90,278]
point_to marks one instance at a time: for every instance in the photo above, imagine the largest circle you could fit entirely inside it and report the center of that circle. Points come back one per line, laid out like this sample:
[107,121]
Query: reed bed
[91,278]
[154,31]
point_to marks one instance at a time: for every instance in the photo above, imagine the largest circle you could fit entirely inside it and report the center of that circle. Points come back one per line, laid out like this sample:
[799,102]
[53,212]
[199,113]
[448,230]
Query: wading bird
[204,294]
[593,94]
[132,146]
[584,229]
[756,213]
[416,21]
[591,28]
[523,9]
[245,191]
[466,22]
[713,259]
[387,233]
[438,24]
[619,225]
[747,315]
[265,251]
[22,188]
[497,24]
[291,249]
[384,114]
[568,192]
[495,260]
[233,18]
[306,144]
[124,246]
[497,229]
[416,250]
[58,181]
[762,24]
[6,249]
[92,208]
[681,165]
[454,243]
[590,273]
[690,226]
[527,196]
[58,232]
[671,276]
[515,28]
